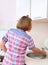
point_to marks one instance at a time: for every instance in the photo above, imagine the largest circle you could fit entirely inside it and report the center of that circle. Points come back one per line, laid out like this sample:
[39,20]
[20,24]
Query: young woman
[18,41]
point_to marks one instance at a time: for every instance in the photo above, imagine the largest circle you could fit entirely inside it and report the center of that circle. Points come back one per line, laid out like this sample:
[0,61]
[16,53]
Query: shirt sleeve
[5,38]
[31,44]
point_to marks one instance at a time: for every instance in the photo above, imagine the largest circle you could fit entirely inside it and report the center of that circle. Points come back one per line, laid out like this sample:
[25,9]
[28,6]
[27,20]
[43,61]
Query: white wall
[22,8]
[39,33]
[7,13]
[47,8]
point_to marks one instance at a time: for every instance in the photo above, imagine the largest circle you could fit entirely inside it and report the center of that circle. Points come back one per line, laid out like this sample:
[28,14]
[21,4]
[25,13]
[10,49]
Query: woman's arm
[2,46]
[38,51]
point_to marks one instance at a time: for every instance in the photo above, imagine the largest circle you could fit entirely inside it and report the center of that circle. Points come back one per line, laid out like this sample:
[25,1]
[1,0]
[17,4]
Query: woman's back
[18,41]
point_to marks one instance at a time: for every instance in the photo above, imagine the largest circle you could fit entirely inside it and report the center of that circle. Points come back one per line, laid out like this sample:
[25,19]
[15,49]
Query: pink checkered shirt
[18,41]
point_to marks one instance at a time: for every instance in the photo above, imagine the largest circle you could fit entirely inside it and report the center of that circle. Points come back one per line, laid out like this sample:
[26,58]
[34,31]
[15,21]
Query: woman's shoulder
[20,32]
[28,36]
[12,29]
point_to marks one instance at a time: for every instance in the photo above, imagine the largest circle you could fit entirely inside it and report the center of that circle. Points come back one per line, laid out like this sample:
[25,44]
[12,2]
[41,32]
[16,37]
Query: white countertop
[36,61]
[0,63]
[31,61]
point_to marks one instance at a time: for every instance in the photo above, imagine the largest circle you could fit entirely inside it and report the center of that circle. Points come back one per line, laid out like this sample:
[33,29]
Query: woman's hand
[43,51]
[38,51]
[2,46]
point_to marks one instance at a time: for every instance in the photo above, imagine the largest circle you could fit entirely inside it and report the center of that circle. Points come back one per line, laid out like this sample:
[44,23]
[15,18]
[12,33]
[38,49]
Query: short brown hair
[25,23]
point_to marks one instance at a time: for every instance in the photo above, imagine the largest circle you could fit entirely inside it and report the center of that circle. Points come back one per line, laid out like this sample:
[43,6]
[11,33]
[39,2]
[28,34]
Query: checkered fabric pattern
[18,41]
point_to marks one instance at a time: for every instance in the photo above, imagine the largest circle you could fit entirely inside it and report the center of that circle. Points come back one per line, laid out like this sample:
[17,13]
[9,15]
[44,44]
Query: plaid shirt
[18,41]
